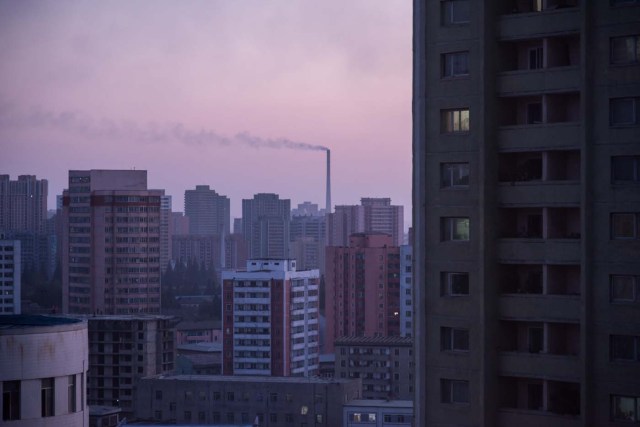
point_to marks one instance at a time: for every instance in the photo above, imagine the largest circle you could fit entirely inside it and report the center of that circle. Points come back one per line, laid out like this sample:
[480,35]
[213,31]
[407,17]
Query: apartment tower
[208,211]
[362,296]
[111,243]
[270,319]
[526,144]
[265,224]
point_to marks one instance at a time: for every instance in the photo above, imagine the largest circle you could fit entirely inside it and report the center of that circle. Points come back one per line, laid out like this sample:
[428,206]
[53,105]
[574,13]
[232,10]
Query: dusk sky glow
[211,92]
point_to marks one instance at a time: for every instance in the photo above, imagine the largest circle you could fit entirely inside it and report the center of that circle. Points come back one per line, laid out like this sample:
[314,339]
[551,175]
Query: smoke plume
[87,127]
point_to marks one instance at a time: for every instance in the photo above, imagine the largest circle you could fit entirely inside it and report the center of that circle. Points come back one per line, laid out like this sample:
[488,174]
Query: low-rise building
[385,365]
[43,369]
[188,332]
[204,358]
[378,413]
[271,401]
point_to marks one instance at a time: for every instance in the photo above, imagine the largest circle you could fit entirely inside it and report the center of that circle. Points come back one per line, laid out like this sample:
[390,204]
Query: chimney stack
[328,208]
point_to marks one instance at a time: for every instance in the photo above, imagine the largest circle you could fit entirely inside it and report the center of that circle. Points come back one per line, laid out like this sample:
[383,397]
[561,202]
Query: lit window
[454,339]
[625,347]
[625,169]
[456,120]
[455,12]
[625,50]
[624,226]
[454,391]
[455,64]
[624,288]
[454,175]
[626,408]
[454,284]
[455,229]
[623,111]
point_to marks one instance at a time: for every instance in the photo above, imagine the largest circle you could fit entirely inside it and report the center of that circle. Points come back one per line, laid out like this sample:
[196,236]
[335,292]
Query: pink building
[111,243]
[362,288]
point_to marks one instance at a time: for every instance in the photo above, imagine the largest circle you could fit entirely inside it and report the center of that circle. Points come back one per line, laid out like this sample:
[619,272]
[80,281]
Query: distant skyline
[219,93]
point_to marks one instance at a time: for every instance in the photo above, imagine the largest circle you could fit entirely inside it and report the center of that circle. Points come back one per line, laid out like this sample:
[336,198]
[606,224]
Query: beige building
[43,369]
[384,364]
[112,240]
[243,400]
[526,207]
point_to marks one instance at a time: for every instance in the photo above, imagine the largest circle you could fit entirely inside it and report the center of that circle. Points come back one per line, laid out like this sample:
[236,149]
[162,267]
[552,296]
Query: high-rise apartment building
[406,290]
[270,319]
[165,235]
[10,276]
[362,296]
[111,243]
[208,211]
[265,225]
[308,239]
[23,204]
[124,349]
[373,215]
[526,207]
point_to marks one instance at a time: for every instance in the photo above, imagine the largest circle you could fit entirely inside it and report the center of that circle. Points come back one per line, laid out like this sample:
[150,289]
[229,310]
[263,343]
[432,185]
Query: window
[10,400]
[624,226]
[46,397]
[623,111]
[625,347]
[456,120]
[455,12]
[626,408]
[534,396]
[454,175]
[273,417]
[535,58]
[455,229]
[625,50]
[535,337]
[454,391]
[625,169]
[454,284]
[455,64]
[454,339]
[72,394]
[624,288]
[230,417]
[230,396]
[187,415]
[534,113]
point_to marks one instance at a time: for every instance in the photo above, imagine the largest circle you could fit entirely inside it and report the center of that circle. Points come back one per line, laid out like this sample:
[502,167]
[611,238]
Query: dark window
[534,113]
[536,339]
[536,58]
[454,284]
[455,64]
[454,229]
[454,339]
[47,397]
[454,391]
[454,175]
[624,288]
[625,347]
[625,50]
[625,169]
[626,408]
[624,226]
[72,393]
[623,111]
[454,12]
[10,400]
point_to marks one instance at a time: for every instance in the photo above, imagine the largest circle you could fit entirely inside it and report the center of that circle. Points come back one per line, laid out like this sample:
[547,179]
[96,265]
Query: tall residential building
[265,225]
[208,211]
[123,349]
[385,365]
[526,207]
[373,215]
[165,234]
[380,216]
[10,276]
[111,243]
[23,204]
[362,296]
[406,290]
[43,371]
[308,240]
[270,319]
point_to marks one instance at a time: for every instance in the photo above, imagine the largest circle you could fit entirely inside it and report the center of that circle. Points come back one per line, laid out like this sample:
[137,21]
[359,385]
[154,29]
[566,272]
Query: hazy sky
[188,90]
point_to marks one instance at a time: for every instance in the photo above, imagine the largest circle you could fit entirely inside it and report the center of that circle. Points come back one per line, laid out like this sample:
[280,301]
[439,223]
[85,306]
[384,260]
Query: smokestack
[328,182]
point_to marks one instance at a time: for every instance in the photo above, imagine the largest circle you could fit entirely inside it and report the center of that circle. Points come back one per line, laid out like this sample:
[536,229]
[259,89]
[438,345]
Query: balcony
[540,364]
[539,136]
[528,250]
[540,397]
[540,223]
[560,308]
[564,79]
[525,18]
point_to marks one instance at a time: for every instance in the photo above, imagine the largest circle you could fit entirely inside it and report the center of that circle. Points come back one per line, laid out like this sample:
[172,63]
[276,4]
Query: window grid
[455,120]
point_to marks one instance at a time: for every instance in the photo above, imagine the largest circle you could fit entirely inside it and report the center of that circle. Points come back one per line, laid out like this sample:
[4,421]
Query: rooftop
[375,341]
[21,320]
[381,403]
[251,379]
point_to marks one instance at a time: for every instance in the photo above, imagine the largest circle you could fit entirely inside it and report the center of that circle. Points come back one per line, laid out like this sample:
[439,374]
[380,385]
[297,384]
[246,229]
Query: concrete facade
[112,243]
[384,364]
[43,371]
[123,349]
[362,296]
[208,211]
[406,290]
[240,400]
[526,202]
[270,319]
[23,204]
[378,413]
[10,276]
[265,224]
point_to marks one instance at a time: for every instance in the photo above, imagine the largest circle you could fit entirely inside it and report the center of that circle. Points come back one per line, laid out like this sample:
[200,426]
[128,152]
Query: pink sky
[105,85]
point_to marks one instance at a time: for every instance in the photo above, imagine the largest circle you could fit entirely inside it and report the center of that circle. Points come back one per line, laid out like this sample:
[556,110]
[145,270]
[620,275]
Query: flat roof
[408,404]
[204,347]
[395,340]
[99,410]
[252,378]
[22,320]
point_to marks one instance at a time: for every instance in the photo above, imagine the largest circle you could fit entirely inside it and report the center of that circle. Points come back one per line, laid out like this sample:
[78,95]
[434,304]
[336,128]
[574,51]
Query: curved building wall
[43,371]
